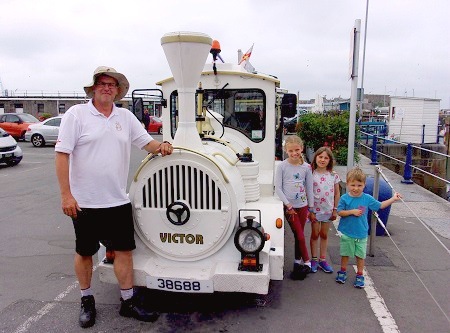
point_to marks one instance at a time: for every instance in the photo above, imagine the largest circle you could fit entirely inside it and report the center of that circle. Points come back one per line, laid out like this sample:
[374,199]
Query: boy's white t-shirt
[99,149]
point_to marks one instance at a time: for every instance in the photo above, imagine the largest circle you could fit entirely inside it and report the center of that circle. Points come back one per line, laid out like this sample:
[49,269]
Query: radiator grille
[181,182]
[6,149]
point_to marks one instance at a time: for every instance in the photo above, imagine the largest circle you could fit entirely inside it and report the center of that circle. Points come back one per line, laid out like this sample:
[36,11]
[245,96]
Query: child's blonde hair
[330,155]
[356,174]
[293,139]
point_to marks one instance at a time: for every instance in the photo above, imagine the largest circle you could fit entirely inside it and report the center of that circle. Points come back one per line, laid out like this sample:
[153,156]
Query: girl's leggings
[297,223]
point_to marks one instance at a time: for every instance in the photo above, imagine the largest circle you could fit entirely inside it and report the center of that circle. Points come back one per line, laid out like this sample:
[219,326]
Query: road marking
[19,172]
[379,308]
[48,307]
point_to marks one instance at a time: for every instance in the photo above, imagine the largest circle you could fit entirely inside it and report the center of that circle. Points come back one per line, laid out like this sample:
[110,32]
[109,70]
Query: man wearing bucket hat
[92,165]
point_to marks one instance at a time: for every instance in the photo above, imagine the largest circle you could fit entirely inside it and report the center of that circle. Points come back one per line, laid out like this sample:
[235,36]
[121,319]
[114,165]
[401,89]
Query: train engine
[206,217]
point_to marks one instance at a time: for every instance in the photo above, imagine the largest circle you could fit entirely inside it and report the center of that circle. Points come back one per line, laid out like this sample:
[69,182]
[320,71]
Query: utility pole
[364,60]
[354,76]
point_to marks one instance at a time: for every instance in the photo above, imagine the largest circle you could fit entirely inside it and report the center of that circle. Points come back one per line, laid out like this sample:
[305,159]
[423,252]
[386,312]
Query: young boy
[353,225]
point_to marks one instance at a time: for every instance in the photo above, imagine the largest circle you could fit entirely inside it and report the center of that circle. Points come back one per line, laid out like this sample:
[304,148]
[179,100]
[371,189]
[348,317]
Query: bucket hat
[124,85]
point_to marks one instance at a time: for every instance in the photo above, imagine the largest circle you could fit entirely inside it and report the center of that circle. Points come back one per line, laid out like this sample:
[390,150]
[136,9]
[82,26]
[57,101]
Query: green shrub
[331,129]
[45,115]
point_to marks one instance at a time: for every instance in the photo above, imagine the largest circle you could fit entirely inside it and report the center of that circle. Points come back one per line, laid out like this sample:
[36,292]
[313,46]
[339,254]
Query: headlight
[249,240]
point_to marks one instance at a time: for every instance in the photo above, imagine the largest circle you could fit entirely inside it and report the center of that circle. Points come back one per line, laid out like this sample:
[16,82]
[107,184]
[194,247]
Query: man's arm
[154,147]
[68,203]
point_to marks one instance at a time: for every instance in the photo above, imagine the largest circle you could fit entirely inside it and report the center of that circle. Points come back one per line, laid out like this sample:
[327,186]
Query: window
[18,108]
[10,118]
[53,122]
[40,108]
[242,109]
[61,108]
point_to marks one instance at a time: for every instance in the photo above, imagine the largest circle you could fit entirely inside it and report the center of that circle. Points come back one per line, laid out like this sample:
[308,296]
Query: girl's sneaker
[359,282]
[325,267]
[299,272]
[314,266]
[341,277]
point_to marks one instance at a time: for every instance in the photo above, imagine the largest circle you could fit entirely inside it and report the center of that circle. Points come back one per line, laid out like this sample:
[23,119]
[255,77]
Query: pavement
[411,265]
[417,201]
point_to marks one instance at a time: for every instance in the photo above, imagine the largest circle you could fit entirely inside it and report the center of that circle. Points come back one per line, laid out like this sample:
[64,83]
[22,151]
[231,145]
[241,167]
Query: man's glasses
[106,84]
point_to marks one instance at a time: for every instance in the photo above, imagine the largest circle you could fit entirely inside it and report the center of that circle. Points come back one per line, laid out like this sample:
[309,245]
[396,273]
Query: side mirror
[164,103]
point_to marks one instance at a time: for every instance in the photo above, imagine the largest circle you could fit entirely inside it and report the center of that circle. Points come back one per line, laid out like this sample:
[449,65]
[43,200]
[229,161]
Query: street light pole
[363,60]
[354,77]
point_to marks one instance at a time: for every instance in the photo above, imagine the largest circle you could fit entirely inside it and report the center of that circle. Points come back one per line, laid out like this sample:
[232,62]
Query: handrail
[408,158]
[143,163]
[226,158]
[150,156]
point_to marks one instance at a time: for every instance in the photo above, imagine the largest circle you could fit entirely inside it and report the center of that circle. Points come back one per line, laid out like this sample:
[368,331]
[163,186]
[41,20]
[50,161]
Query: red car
[16,124]
[155,125]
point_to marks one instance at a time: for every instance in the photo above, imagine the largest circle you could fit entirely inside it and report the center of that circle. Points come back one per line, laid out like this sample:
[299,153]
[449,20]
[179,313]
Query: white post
[354,77]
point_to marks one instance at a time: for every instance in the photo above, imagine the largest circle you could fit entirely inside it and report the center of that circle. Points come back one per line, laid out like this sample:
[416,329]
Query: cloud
[55,46]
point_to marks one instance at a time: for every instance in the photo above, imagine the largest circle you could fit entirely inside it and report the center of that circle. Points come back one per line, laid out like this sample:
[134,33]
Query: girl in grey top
[294,186]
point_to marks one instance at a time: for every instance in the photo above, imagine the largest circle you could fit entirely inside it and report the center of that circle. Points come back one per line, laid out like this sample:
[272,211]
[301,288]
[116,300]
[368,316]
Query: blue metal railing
[408,162]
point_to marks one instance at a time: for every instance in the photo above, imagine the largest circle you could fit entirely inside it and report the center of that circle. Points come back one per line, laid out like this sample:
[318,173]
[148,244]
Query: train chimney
[186,53]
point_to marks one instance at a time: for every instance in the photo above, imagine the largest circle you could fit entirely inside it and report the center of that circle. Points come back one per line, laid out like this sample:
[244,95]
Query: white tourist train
[206,217]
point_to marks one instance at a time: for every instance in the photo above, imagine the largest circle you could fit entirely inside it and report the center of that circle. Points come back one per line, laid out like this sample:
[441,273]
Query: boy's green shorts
[353,247]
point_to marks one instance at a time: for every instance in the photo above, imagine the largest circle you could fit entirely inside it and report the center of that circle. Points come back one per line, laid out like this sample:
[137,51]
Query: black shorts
[113,226]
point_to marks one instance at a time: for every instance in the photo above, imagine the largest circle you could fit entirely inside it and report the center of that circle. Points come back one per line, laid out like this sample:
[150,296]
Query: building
[414,120]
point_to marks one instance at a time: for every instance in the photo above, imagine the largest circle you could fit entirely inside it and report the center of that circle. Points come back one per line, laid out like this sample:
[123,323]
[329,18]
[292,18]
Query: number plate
[180,285]
[8,155]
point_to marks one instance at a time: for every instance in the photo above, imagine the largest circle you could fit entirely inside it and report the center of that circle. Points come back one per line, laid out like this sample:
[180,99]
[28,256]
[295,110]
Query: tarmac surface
[407,279]
[414,252]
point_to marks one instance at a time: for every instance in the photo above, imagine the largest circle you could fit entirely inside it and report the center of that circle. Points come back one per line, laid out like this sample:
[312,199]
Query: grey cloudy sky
[56,45]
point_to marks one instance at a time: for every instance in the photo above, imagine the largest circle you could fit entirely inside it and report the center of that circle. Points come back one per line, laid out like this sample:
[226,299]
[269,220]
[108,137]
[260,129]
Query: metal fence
[417,162]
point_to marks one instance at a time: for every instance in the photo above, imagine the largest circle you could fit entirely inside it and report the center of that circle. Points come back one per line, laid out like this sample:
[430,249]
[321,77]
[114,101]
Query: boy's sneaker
[359,282]
[341,277]
[325,267]
[314,266]
[134,308]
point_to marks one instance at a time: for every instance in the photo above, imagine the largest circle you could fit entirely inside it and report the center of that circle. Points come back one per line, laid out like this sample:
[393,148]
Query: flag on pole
[247,55]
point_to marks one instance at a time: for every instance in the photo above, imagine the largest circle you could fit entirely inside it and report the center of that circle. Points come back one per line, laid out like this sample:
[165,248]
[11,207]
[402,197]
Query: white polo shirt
[99,149]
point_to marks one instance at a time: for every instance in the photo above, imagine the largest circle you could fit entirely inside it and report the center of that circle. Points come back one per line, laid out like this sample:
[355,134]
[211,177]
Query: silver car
[44,132]
[10,152]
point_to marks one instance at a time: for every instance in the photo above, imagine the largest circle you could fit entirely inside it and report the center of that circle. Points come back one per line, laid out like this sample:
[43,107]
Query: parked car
[44,132]
[155,125]
[10,152]
[16,124]
[290,124]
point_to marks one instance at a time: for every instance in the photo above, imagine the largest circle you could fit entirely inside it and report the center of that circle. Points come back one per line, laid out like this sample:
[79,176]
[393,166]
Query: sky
[54,46]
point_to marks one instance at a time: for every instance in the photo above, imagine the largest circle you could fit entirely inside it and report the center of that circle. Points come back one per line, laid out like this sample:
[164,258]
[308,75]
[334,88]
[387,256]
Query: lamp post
[363,60]
[354,60]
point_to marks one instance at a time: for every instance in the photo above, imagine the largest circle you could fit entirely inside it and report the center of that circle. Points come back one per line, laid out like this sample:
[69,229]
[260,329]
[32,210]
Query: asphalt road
[39,292]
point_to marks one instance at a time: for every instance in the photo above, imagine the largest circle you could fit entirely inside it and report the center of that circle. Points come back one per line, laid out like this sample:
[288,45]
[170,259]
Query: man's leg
[83,269]
[123,268]
[130,307]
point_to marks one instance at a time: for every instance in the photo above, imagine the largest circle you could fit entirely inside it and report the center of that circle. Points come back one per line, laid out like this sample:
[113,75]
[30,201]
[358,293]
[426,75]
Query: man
[92,164]
[146,119]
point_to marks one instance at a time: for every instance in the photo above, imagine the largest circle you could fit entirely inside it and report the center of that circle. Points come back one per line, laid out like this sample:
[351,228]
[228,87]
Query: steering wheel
[178,213]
